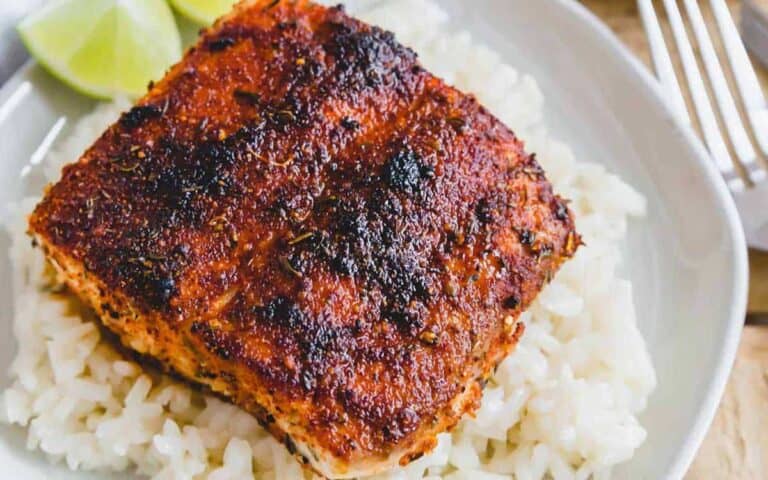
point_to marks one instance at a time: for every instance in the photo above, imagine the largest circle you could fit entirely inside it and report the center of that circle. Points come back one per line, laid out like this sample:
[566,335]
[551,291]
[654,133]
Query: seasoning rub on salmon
[304,220]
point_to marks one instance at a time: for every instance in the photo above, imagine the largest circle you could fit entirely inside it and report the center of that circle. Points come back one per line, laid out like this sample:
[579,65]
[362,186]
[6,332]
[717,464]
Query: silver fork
[751,196]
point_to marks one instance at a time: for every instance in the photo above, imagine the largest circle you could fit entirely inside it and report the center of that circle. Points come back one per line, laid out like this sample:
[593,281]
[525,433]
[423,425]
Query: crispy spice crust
[303,219]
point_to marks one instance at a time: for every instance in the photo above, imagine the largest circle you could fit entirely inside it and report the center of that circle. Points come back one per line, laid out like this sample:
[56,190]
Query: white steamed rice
[564,405]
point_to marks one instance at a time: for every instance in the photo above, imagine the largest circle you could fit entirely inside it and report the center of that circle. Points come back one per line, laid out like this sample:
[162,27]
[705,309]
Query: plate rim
[739,263]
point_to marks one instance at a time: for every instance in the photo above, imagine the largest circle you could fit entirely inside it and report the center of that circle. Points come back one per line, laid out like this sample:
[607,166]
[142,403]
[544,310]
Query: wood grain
[736,446]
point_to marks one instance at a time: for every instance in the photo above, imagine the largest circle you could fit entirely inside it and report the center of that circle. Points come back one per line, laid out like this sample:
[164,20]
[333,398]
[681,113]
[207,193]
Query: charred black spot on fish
[214,340]
[247,97]
[344,264]
[405,171]
[561,211]
[161,289]
[350,123]
[205,169]
[367,57]
[511,302]
[151,275]
[483,211]
[282,311]
[362,241]
[405,320]
[139,114]
[220,44]
[527,237]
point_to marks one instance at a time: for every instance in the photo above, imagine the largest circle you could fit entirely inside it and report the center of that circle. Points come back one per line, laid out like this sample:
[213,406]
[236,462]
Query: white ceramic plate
[687,261]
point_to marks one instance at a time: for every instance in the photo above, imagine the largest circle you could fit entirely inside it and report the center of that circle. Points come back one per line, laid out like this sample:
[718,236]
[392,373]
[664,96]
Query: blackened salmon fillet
[304,220]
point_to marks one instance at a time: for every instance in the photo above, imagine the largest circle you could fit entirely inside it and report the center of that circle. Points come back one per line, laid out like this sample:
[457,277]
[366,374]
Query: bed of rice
[563,406]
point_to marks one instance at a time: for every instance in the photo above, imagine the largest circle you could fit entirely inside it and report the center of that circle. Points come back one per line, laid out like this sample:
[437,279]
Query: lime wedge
[203,12]
[103,48]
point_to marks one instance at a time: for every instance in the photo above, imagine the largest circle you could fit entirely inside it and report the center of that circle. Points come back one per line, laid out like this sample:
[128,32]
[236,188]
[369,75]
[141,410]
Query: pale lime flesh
[203,12]
[104,48]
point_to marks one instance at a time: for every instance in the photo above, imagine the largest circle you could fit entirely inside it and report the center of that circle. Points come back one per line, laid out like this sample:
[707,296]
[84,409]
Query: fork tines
[753,100]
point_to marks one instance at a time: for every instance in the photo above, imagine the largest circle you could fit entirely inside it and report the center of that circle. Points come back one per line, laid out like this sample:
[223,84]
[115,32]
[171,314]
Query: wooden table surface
[736,446]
